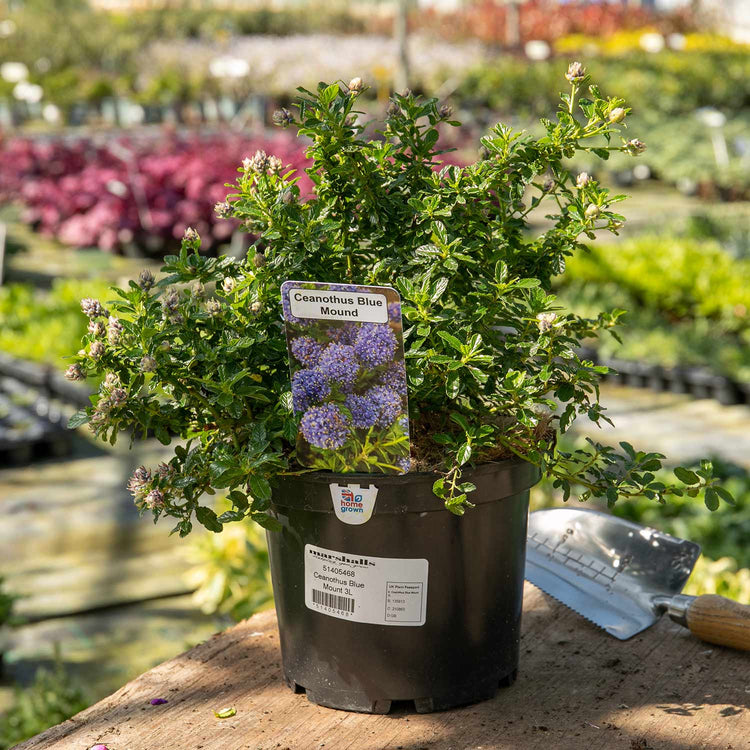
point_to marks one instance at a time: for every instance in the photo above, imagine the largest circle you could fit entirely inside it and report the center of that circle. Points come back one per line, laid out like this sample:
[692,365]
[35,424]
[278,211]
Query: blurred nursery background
[121,121]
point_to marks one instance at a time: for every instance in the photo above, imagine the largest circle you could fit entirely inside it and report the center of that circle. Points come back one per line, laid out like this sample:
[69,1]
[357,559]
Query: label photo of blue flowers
[346,360]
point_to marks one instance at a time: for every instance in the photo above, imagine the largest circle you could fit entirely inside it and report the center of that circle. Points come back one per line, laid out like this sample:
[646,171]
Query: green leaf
[628,448]
[208,518]
[225,713]
[686,476]
[457,505]
[183,528]
[452,385]
[260,489]
[464,454]
[267,521]
[724,494]
[327,95]
[439,229]
[440,286]
[565,392]
[711,499]
[527,283]
[239,499]
[451,339]
[230,516]
[162,435]
[78,419]
[460,420]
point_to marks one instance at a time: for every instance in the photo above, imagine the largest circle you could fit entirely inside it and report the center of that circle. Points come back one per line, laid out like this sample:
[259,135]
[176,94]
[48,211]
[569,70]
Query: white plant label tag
[376,590]
[348,377]
[352,504]
[363,306]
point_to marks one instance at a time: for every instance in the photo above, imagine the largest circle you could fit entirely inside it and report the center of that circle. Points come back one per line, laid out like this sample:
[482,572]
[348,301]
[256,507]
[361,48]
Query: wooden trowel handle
[719,620]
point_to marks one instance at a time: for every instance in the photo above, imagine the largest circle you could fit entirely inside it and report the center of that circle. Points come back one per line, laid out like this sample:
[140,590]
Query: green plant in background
[687,158]
[686,296]
[231,572]
[659,88]
[629,41]
[722,577]
[98,55]
[52,698]
[7,601]
[43,326]
[653,337]
[487,347]
[668,83]
[680,277]
[723,533]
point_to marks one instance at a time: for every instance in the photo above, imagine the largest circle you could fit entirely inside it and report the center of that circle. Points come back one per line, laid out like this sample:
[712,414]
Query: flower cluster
[139,482]
[149,489]
[378,406]
[326,426]
[339,364]
[93,308]
[306,350]
[375,344]
[114,330]
[309,387]
[84,194]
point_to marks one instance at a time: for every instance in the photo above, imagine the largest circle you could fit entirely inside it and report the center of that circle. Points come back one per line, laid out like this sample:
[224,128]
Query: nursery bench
[578,688]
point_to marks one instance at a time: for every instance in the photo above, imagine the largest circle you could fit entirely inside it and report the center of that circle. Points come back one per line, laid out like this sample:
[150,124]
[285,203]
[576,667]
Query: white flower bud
[576,72]
[592,211]
[635,147]
[545,321]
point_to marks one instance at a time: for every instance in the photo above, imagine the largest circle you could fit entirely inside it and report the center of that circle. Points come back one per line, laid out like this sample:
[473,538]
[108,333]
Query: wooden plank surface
[578,688]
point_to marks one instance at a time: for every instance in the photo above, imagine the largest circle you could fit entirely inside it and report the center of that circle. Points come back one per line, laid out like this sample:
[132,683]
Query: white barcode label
[333,601]
[377,590]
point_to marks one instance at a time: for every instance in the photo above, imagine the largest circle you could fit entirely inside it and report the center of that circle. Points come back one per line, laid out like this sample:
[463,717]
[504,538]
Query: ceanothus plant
[491,358]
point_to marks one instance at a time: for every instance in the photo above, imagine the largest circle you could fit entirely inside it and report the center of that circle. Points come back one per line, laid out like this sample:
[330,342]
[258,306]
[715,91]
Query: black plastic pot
[442,594]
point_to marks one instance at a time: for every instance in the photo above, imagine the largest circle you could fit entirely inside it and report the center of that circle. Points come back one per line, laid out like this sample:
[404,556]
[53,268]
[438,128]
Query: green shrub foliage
[490,357]
[52,698]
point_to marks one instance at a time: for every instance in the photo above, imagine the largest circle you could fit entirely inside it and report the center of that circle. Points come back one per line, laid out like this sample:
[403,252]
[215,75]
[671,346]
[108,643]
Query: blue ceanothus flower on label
[348,378]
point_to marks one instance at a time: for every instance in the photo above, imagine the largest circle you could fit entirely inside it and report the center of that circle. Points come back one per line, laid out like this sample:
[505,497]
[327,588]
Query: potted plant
[414,603]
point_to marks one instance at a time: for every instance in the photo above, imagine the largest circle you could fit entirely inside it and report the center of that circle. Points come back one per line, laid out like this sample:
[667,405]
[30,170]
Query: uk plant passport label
[346,358]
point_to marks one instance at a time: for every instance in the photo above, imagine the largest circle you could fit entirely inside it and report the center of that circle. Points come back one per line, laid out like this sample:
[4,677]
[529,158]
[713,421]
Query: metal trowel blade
[607,569]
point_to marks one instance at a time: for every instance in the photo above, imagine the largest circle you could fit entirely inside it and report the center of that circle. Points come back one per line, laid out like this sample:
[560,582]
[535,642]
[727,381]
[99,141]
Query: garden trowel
[623,576]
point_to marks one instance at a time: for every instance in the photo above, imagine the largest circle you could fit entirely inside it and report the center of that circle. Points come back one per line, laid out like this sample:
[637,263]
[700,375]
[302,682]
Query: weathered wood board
[578,688]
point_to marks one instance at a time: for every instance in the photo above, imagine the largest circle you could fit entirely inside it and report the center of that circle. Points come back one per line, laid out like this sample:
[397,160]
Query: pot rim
[404,493]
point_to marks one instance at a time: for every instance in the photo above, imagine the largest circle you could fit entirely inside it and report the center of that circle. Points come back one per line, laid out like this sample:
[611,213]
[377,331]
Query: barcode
[333,600]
